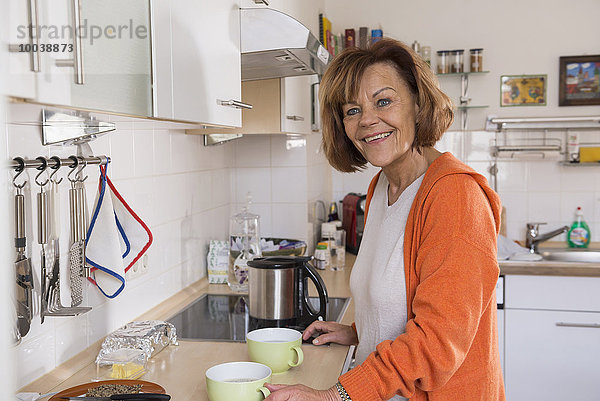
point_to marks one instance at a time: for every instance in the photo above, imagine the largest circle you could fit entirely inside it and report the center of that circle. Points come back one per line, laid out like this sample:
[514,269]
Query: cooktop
[217,317]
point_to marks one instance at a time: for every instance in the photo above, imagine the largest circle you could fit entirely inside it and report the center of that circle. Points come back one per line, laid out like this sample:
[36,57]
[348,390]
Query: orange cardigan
[450,348]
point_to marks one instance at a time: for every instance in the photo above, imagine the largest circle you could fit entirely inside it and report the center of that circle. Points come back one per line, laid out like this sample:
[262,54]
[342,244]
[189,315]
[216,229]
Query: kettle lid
[279,262]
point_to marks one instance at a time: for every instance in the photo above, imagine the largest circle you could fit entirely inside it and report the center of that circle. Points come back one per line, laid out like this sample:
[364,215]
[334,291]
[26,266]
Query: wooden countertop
[180,369]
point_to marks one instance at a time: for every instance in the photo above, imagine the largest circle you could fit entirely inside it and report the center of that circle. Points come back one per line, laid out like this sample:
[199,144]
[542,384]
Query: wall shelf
[585,164]
[464,99]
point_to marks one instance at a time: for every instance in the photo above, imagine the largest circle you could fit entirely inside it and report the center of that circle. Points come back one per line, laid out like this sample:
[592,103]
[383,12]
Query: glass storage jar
[443,62]
[457,63]
[476,60]
[244,245]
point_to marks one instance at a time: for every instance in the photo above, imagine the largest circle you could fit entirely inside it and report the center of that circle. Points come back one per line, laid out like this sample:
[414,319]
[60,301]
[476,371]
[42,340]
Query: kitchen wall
[285,175]
[518,38]
[180,188]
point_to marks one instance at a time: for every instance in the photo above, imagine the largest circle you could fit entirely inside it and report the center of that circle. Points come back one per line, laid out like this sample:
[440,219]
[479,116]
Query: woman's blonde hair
[340,85]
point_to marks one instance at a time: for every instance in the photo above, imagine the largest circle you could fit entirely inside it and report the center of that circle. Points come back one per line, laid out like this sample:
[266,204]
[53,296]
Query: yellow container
[589,154]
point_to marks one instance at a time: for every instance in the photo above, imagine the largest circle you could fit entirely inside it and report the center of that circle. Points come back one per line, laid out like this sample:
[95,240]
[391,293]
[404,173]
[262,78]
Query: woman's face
[381,121]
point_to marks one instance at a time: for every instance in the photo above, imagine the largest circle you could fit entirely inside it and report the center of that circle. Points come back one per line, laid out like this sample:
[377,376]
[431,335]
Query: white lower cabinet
[552,338]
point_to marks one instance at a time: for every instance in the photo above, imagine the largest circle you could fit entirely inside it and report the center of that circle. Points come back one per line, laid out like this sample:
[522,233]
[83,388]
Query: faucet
[533,237]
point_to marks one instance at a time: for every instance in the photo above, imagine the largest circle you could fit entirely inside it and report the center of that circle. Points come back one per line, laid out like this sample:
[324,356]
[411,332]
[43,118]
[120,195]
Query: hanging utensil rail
[19,163]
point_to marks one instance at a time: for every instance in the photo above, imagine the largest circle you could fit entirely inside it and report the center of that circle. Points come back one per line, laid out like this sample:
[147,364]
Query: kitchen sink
[571,255]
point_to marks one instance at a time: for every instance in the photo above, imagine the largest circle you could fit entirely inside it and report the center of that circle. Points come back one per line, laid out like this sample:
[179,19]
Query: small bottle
[416,47]
[579,234]
[573,147]
[321,254]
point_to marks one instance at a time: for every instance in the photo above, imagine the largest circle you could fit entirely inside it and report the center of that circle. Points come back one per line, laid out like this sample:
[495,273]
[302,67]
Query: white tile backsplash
[253,180]
[288,184]
[253,151]
[178,187]
[288,151]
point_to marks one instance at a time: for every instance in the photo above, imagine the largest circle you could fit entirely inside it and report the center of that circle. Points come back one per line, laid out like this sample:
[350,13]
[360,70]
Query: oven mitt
[116,238]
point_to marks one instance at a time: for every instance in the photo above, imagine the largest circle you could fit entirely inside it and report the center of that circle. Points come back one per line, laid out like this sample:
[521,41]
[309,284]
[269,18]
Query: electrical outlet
[143,264]
[134,271]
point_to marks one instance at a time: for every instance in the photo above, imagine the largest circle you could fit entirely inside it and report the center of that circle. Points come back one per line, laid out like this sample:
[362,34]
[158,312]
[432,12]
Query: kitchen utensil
[278,289]
[81,390]
[23,269]
[77,250]
[42,215]
[128,397]
[244,245]
[52,298]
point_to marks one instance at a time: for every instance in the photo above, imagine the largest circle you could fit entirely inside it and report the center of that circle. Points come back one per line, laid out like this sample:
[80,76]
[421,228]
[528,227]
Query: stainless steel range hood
[275,45]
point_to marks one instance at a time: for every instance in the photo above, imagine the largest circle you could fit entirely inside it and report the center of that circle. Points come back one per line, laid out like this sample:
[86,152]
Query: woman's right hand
[330,332]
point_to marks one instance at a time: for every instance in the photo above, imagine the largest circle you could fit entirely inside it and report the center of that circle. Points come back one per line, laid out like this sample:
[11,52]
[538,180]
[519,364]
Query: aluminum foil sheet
[150,336]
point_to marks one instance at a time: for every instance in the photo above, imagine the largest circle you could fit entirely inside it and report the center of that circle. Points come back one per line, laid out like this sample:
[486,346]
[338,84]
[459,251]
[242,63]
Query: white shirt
[377,281]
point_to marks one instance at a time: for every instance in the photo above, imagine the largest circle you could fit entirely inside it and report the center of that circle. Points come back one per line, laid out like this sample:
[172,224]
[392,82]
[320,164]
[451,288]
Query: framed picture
[579,81]
[523,90]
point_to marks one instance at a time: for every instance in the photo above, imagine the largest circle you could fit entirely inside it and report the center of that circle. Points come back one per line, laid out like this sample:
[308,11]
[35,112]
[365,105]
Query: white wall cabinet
[279,106]
[552,338]
[205,57]
[85,54]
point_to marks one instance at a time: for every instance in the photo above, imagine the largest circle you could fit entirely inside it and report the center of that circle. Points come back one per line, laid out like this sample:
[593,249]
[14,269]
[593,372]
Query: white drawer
[552,293]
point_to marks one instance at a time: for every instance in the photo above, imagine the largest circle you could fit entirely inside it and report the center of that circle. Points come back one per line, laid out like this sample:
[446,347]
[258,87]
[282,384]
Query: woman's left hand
[298,392]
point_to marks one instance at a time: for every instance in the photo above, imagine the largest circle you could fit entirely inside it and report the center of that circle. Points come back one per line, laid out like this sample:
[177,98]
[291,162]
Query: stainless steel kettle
[278,288]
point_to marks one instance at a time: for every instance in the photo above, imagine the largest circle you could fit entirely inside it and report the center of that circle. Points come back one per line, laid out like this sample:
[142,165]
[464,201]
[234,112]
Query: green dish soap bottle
[579,233]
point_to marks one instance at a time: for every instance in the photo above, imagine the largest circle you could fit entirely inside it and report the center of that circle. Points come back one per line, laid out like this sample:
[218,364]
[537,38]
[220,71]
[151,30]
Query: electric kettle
[278,289]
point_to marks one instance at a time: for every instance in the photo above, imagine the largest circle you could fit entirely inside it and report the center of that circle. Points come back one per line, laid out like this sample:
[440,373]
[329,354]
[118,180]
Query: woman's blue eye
[383,102]
[352,111]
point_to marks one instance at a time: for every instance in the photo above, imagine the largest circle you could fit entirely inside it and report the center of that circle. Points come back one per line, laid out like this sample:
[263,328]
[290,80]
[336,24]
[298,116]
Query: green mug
[238,381]
[278,348]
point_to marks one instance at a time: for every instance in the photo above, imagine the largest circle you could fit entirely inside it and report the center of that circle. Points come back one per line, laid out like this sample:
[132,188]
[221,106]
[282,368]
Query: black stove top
[225,318]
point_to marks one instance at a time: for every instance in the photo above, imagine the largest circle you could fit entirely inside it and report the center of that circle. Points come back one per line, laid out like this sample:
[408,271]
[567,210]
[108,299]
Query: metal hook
[19,171]
[78,175]
[42,169]
[55,168]
[72,167]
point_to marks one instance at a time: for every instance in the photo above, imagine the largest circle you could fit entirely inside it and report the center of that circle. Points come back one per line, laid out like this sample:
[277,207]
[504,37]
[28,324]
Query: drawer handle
[586,325]
[295,118]
[234,103]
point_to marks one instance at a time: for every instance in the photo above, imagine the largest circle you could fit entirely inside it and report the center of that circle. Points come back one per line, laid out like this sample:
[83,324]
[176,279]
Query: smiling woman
[424,279]
[411,81]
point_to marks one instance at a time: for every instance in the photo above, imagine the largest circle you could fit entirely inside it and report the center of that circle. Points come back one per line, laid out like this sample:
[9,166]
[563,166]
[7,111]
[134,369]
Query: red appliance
[353,220]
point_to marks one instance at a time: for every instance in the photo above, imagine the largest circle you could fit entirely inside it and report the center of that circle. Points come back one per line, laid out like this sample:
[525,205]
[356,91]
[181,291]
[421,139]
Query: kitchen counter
[180,369]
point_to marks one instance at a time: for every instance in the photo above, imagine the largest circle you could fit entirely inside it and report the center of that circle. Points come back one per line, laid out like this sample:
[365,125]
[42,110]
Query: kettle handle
[321,289]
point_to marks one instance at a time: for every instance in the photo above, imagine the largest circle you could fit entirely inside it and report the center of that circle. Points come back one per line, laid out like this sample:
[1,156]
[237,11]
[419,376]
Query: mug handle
[300,355]
[265,391]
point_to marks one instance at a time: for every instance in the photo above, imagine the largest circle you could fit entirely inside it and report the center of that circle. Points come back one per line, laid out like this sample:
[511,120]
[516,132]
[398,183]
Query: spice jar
[456,63]
[443,62]
[476,60]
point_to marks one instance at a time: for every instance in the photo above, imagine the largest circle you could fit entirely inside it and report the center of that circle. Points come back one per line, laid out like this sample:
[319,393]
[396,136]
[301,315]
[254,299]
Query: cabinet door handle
[234,103]
[77,61]
[34,41]
[295,118]
[586,325]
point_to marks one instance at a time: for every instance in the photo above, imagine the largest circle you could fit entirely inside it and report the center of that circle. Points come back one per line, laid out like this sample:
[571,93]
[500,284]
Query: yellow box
[589,154]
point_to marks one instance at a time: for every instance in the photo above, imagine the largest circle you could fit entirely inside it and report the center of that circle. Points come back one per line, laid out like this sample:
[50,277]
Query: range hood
[275,45]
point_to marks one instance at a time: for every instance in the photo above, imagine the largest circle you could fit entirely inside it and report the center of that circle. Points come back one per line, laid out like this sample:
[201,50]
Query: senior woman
[424,279]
